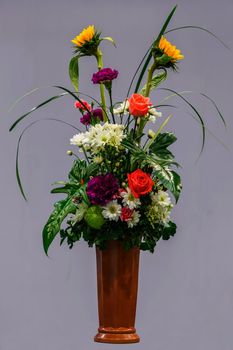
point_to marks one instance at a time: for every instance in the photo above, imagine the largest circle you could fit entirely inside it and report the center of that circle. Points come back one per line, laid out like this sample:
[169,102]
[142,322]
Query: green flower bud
[69,153]
[94,217]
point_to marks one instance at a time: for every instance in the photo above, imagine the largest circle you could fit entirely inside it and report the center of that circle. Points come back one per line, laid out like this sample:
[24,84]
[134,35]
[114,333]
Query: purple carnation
[102,188]
[95,113]
[104,75]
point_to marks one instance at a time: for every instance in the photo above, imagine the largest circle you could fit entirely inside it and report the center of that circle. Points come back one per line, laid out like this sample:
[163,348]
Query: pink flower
[80,106]
[126,214]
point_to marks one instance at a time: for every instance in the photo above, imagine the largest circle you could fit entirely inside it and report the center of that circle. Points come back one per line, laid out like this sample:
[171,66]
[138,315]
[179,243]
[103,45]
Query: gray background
[186,288]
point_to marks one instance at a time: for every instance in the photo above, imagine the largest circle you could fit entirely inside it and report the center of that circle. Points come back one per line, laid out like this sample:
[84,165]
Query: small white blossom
[112,211]
[129,200]
[134,220]
[122,108]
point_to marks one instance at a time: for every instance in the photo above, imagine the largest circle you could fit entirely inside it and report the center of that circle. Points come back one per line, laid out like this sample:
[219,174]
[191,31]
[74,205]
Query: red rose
[140,183]
[126,214]
[139,105]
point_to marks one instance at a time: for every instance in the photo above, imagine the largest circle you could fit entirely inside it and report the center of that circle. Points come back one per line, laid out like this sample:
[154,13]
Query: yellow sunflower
[170,50]
[85,36]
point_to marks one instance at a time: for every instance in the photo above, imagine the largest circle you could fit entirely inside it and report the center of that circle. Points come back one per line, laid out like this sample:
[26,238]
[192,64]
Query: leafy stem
[99,57]
[147,93]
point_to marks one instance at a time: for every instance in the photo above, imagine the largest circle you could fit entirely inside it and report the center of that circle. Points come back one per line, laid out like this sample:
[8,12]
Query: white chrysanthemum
[122,108]
[129,200]
[162,198]
[134,219]
[112,211]
[79,140]
[99,136]
[165,215]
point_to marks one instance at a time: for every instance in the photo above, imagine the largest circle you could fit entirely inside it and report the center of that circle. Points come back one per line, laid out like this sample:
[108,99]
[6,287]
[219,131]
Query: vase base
[116,336]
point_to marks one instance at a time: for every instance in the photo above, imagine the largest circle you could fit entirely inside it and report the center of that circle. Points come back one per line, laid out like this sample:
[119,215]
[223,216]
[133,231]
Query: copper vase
[117,282]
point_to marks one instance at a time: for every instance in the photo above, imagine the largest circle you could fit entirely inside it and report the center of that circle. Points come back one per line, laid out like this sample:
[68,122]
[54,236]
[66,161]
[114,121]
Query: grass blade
[34,109]
[149,55]
[196,112]
[201,28]
[18,178]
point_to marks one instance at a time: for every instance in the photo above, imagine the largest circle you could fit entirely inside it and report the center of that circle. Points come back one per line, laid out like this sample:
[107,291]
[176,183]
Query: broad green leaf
[52,227]
[169,179]
[156,81]
[74,72]
[108,38]
[18,149]
[169,230]
[68,188]
[81,171]
[34,109]
[163,140]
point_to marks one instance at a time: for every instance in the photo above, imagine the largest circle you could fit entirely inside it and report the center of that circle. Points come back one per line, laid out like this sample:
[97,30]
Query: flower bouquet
[120,187]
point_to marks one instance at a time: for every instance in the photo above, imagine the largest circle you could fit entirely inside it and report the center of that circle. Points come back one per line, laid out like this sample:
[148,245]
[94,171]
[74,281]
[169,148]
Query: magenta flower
[95,115]
[104,75]
[102,188]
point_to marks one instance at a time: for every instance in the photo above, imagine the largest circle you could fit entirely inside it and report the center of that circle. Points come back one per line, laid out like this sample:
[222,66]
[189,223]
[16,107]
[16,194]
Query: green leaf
[81,171]
[170,179]
[52,227]
[162,141]
[35,108]
[74,72]
[169,230]
[156,81]
[68,188]
[108,38]
[201,28]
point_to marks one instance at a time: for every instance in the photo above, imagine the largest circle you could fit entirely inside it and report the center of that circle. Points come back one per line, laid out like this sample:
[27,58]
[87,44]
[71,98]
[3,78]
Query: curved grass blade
[164,27]
[73,95]
[212,134]
[204,95]
[201,28]
[34,109]
[196,112]
[215,105]
[18,149]
[12,106]
[74,71]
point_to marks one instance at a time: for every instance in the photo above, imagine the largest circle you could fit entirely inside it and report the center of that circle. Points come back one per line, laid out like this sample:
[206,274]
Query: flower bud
[151,134]
[69,153]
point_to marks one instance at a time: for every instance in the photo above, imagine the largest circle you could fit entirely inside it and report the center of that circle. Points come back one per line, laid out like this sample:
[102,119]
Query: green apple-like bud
[94,217]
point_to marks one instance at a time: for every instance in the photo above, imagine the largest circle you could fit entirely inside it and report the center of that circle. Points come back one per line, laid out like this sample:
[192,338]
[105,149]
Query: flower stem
[99,57]
[147,93]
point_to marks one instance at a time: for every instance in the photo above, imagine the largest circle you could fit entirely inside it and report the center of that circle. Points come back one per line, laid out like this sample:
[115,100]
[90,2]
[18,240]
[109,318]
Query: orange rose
[139,105]
[140,183]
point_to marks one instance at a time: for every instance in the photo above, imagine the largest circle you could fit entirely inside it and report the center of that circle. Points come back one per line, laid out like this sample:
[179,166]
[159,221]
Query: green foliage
[160,144]
[74,71]
[156,81]
[53,225]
